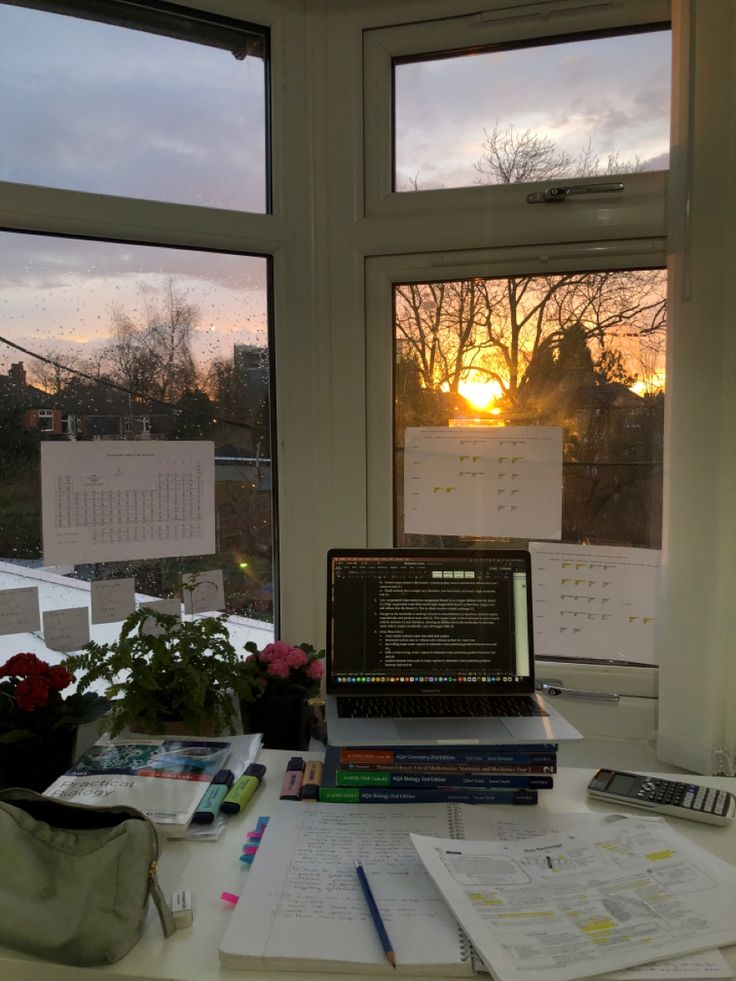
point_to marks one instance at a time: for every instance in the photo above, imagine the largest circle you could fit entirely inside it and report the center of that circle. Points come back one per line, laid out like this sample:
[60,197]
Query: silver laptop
[433,647]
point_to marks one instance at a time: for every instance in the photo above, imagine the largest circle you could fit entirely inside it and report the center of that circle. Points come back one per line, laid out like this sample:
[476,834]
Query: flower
[282,669]
[31,704]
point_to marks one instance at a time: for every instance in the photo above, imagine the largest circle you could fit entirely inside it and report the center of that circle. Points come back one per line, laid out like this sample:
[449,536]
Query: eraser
[182,908]
[229,897]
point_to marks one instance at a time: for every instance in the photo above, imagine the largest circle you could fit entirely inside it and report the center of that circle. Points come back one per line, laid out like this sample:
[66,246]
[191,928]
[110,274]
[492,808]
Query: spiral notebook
[301,907]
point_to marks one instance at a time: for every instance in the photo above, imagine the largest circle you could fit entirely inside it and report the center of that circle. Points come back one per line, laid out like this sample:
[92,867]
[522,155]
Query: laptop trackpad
[422,731]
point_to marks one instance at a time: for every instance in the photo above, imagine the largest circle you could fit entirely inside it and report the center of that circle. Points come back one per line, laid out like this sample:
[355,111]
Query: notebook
[301,905]
[443,627]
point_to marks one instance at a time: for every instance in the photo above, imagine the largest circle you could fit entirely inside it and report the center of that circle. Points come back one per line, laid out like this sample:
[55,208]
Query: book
[424,795]
[301,907]
[164,778]
[478,768]
[610,895]
[497,781]
[543,753]
[334,777]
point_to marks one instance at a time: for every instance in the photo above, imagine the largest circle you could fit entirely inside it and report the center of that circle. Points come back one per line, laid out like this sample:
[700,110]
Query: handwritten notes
[171,607]
[112,501]
[304,884]
[19,610]
[66,630]
[203,591]
[504,482]
[112,600]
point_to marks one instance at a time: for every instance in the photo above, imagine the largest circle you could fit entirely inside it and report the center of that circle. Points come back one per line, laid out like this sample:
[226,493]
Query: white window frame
[284,235]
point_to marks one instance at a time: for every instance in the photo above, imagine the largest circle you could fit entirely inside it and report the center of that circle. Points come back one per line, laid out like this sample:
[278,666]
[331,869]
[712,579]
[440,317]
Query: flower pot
[36,763]
[284,720]
[171,728]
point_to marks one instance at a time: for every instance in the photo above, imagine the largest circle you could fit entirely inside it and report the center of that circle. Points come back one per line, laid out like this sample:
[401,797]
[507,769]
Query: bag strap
[168,924]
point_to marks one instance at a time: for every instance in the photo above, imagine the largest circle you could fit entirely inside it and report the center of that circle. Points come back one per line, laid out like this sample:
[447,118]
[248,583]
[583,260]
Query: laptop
[433,647]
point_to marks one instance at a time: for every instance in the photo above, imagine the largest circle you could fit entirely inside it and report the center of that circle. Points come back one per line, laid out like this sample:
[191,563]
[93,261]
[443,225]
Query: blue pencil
[375,915]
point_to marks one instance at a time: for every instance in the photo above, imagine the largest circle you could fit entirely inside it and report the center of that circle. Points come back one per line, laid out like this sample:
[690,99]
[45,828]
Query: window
[122,100]
[582,352]
[513,114]
[106,329]
[46,420]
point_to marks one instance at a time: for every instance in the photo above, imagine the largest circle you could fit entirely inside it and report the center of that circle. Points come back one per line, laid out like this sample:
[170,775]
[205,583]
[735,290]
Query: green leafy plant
[162,669]
[280,669]
[32,707]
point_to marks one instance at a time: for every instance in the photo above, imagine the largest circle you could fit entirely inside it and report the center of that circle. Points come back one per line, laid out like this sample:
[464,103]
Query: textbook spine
[394,795]
[391,756]
[437,781]
[455,767]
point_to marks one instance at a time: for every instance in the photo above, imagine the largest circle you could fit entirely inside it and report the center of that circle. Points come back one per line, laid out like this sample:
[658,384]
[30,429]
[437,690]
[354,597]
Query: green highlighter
[243,789]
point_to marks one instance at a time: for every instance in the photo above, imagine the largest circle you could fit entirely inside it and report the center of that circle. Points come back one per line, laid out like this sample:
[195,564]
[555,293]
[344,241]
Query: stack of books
[468,774]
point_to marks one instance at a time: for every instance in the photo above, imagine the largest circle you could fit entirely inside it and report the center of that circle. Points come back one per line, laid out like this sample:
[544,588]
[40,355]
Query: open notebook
[301,907]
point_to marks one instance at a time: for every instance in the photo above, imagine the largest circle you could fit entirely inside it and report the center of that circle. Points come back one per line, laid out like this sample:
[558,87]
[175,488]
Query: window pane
[581,354]
[106,341]
[520,114]
[96,107]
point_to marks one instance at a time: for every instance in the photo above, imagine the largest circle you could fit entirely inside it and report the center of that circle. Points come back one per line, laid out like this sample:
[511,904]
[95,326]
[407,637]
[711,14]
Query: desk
[209,868]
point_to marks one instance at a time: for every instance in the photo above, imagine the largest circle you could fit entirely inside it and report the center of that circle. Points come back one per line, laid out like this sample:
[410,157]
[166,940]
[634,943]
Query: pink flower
[296,658]
[315,670]
[278,668]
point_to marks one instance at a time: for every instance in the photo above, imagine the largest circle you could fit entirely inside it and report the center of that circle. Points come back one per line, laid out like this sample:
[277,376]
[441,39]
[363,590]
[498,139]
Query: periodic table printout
[109,501]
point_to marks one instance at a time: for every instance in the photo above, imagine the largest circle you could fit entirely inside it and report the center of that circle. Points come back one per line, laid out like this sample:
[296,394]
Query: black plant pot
[284,720]
[37,763]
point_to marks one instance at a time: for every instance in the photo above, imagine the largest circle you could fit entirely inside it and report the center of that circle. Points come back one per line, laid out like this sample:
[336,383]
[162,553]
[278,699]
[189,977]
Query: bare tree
[154,357]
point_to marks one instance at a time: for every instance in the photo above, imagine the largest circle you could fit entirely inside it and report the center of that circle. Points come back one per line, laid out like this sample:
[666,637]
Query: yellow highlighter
[243,789]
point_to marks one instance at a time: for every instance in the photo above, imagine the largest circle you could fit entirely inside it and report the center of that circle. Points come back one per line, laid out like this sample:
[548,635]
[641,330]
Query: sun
[480,394]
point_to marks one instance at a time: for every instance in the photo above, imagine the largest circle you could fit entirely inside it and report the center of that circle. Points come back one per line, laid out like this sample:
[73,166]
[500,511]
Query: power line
[107,383]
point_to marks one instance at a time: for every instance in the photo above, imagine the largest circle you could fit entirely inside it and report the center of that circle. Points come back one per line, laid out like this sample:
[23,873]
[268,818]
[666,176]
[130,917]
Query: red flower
[31,694]
[59,677]
[23,665]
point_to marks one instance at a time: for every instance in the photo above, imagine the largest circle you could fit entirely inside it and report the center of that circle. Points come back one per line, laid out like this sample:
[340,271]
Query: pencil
[375,915]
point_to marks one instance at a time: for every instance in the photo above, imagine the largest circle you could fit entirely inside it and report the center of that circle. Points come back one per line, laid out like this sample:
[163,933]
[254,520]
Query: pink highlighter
[291,788]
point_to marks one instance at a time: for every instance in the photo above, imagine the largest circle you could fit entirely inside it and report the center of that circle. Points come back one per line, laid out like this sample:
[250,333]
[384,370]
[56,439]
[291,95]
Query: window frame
[281,235]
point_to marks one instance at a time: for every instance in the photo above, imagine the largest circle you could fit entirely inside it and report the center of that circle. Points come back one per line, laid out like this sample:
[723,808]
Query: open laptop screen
[429,620]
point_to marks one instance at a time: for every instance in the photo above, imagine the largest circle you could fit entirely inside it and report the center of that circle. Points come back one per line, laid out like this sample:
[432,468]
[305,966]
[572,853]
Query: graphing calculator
[671,797]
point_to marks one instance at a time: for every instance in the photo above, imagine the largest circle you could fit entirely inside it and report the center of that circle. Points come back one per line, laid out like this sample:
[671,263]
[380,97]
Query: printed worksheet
[572,904]
[592,600]
[504,482]
[109,501]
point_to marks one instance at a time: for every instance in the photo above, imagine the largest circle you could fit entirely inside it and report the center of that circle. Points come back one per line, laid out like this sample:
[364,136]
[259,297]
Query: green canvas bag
[75,879]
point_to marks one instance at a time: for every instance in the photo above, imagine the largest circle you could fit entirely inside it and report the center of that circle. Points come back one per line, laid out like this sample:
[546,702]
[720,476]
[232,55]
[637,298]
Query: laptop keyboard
[438,706]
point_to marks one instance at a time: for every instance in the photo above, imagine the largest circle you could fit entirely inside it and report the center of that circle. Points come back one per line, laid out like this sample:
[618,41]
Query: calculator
[671,797]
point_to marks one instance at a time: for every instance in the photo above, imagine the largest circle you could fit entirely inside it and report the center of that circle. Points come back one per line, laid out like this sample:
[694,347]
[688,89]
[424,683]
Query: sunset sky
[103,109]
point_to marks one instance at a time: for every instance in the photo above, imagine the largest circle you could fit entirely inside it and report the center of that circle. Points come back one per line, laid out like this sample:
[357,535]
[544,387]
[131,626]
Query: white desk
[209,868]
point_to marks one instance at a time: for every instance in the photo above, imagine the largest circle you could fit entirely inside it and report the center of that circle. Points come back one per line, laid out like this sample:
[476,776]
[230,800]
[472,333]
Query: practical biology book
[383,786]
[163,778]
[301,907]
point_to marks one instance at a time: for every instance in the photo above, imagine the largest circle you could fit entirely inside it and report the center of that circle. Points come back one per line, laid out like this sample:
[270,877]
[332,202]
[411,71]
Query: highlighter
[216,792]
[292,786]
[312,780]
[243,789]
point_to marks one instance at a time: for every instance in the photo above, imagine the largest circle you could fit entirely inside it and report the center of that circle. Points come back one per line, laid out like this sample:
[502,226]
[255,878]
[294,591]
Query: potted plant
[38,725]
[167,676]
[279,681]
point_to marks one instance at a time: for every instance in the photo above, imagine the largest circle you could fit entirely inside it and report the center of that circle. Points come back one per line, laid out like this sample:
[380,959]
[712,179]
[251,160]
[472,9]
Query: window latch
[555,688]
[560,192]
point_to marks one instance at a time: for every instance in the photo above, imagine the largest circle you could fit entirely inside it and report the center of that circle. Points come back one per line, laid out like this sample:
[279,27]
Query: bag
[75,879]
